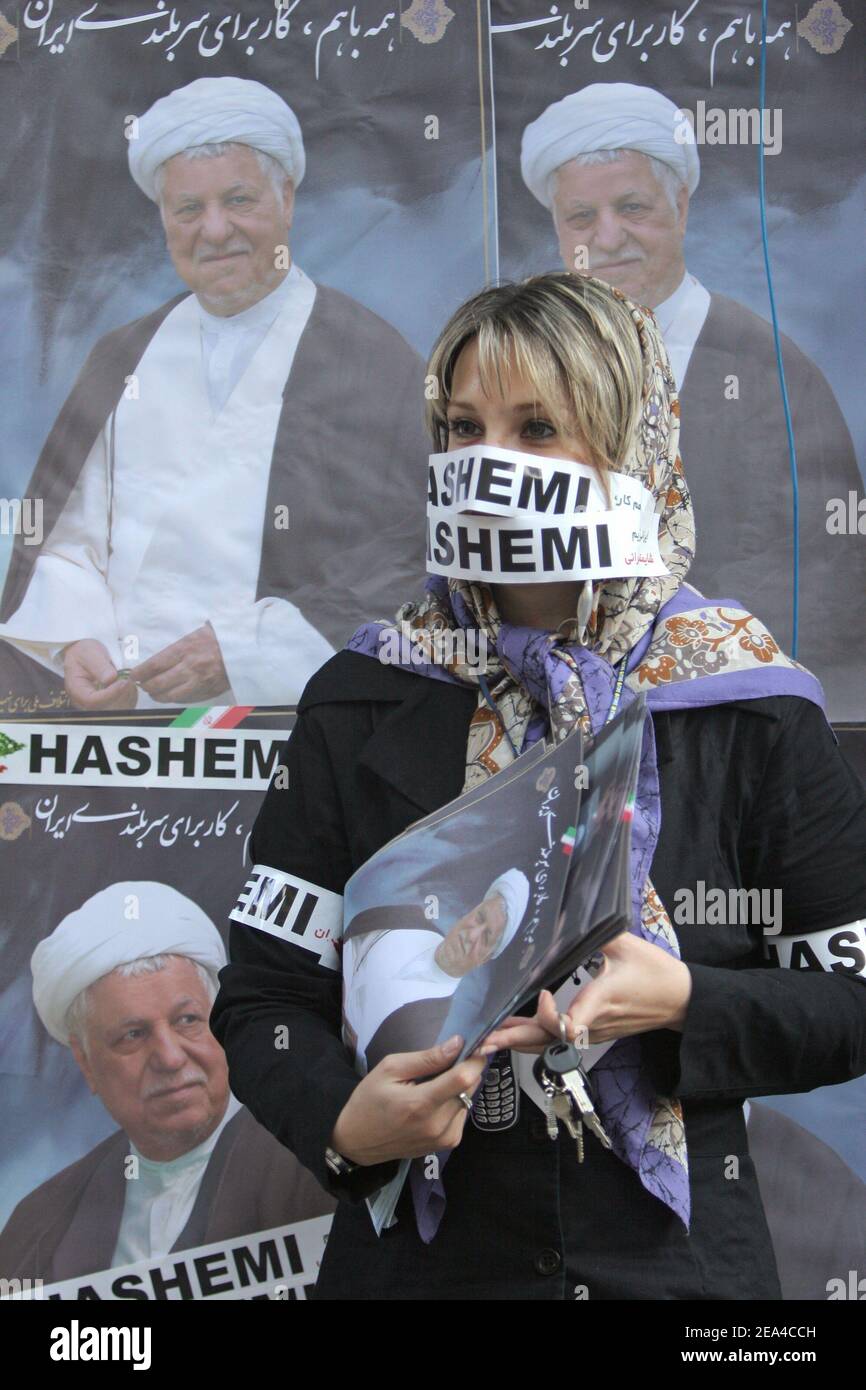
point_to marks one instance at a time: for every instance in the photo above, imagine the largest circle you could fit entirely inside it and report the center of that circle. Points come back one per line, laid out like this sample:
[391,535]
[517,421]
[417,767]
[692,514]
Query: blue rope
[792,452]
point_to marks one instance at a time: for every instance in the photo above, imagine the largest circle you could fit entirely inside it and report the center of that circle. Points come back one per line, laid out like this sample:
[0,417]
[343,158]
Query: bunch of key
[560,1075]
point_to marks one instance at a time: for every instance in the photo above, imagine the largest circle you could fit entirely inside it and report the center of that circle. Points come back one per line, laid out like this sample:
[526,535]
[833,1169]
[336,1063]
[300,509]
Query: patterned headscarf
[680,648]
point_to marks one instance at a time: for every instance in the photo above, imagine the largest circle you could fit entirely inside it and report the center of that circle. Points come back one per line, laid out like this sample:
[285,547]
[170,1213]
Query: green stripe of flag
[189,716]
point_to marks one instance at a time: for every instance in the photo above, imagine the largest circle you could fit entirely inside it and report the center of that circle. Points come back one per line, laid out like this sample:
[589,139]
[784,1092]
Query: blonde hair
[572,340]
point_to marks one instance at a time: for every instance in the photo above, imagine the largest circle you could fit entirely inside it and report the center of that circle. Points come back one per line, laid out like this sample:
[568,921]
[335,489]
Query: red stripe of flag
[232,716]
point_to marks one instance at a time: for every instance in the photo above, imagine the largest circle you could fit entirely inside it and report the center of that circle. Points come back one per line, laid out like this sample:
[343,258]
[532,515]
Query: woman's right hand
[389,1115]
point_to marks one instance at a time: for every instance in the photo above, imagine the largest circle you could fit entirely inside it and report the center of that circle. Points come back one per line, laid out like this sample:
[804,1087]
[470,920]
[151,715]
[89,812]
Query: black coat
[754,794]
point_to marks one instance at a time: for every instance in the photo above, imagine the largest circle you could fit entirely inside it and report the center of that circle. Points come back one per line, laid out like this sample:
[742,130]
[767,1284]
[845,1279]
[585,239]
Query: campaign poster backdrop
[696,257]
[411,200]
[204,496]
[129,1170]
[704,56]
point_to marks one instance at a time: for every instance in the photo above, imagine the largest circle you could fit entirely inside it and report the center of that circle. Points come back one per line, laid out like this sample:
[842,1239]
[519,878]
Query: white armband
[840,949]
[293,910]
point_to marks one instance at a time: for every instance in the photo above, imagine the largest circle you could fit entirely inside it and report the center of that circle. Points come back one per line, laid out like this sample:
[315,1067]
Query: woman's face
[510,421]
[513,420]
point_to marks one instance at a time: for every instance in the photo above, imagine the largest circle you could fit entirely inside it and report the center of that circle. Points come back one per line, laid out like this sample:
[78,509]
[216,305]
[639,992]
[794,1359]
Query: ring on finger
[465,1100]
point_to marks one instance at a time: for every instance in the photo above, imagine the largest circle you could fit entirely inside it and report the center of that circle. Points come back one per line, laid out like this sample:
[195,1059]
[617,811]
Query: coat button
[547,1262]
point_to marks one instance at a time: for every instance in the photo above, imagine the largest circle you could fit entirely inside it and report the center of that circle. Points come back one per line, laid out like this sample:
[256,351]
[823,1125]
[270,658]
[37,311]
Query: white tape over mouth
[502,516]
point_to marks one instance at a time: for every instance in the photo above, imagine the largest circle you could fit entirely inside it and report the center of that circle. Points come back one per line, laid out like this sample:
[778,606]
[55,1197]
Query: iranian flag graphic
[211,716]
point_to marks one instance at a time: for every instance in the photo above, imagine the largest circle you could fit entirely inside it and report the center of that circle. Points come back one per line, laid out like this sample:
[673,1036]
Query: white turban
[101,934]
[216,109]
[607,116]
[513,887]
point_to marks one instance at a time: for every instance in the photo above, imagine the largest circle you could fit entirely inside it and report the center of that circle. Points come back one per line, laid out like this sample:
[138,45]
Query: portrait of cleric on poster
[506,890]
[615,167]
[236,477]
[129,994]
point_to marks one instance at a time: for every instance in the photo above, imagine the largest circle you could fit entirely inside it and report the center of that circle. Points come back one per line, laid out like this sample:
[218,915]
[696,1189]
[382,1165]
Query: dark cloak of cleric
[214,512]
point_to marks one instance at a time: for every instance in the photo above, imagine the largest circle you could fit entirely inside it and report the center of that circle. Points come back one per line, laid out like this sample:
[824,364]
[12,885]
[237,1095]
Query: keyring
[563,1029]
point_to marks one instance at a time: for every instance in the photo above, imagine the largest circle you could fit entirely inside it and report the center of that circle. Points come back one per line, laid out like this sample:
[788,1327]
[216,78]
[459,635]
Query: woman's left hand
[639,987]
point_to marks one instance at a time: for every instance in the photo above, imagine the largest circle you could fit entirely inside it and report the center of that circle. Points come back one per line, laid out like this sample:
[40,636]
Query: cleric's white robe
[194,438]
[681,317]
[160,1197]
[384,970]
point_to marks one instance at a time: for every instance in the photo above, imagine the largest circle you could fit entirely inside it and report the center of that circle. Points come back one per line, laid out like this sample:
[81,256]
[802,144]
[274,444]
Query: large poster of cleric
[628,144]
[237,229]
[128,1170]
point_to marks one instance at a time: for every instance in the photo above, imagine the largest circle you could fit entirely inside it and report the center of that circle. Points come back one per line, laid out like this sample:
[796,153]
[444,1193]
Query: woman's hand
[389,1116]
[639,987]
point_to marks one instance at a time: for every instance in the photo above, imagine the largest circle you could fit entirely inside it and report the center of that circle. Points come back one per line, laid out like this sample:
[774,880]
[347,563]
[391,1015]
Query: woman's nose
[504,438]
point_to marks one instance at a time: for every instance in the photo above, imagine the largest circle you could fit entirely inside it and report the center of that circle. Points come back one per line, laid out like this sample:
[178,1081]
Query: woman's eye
[539,429]
[462,427]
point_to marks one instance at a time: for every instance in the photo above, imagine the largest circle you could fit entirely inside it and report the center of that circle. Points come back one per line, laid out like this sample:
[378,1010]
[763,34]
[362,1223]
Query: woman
[741,787]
